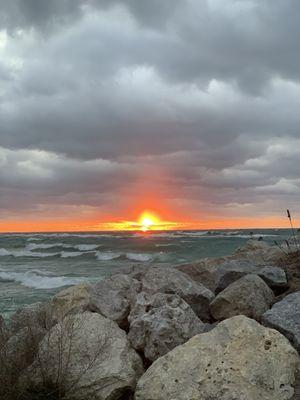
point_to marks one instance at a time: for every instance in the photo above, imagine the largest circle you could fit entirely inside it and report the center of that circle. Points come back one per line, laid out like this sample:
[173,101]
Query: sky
[186,108]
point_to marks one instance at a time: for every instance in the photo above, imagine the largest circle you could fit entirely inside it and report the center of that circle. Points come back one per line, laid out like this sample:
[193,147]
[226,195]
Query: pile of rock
[211,330]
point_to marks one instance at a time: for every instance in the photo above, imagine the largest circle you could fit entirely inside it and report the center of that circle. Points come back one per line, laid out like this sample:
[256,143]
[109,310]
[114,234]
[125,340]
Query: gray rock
[33,316]
[171,281]
[160,322]
[258,253]
[74,299]
[201,272]
[249,296]
[285,317]
[21,348]
[231,271]
[3,330]
[239,359]
[217,274]
[112,297]
[89,357]
[275,277]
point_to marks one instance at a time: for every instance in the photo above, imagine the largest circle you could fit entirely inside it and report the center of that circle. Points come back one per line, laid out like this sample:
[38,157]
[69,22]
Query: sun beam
[147,221]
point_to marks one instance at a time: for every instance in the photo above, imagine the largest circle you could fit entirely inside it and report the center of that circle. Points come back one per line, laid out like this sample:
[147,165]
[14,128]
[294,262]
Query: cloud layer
[105,105]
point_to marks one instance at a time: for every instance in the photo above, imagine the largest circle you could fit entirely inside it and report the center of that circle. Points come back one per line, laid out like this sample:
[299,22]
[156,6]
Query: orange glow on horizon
[63,225]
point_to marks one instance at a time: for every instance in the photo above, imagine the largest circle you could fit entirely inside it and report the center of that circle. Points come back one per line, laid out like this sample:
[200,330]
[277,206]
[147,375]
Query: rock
[229,272]
[71,300]
[274,277]
[171,281]
[33,316]
[217,274]
[202,272]
[285,317]
[3,330]
[113,296]
[90,355]
[161,322]
[249,296]
[21,348]
[239,359]
[258,253]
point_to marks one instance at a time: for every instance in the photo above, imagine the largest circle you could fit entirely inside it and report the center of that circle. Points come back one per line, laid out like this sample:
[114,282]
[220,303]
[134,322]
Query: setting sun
[147,221]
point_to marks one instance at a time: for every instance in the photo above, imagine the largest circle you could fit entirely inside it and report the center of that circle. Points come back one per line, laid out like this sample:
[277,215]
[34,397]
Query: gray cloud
[198,99]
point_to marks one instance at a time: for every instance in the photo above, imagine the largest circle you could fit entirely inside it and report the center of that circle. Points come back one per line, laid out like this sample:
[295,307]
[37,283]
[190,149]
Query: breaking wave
[68,254]
[80,247]
[25,253]
[142,257]
[139,256]
[38,279]
[107,255]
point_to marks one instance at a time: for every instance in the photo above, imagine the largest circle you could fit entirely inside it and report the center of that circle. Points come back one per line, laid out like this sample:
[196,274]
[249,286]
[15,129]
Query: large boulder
[33,316]
[113,296]
[203,272]
[231,271]
[217,274]
[239,359]
[74,299]
[160,322]
[285,317]
[87,356]
[249,296]
[3,330]
[259,253]
[171,281]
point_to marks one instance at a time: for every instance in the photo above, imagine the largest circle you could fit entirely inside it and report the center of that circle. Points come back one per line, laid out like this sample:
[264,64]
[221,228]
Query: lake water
[36,266]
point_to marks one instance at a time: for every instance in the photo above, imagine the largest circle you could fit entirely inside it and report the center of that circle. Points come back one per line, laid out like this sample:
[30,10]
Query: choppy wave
[86,247]
[25,253]
[107,255]
[142,257]
[38,279]
[80,247]
[68,254]
[139,256]
[43,236]
[41,246]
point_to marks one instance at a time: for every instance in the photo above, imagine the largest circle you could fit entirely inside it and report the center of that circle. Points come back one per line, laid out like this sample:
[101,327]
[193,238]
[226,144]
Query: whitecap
[139,256]
[106,256]
[24,253]
[38,280]
[68,254]
[86,247]
[34,246]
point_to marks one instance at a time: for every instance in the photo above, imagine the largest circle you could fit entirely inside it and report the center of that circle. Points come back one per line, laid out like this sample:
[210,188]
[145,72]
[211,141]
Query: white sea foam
[107,255]
[38,280]
[4,252]
[24,253]
[142,257]
[34,246]
[68,254]
[80,247]
[139,256]
[86,247]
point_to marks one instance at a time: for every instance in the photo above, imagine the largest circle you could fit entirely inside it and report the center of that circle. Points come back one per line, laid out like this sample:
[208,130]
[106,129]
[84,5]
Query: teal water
[33,267]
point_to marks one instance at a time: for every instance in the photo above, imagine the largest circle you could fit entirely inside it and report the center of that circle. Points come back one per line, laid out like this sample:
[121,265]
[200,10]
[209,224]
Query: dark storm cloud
[93,94]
